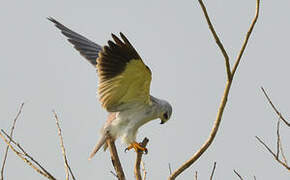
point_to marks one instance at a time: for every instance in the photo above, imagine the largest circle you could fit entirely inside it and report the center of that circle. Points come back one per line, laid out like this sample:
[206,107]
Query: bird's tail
[101,142]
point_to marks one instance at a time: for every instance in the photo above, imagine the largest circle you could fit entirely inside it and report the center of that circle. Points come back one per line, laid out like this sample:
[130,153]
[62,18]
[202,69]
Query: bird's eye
[165,115]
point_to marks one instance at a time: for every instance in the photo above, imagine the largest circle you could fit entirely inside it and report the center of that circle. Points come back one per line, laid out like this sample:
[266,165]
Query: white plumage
[124,87]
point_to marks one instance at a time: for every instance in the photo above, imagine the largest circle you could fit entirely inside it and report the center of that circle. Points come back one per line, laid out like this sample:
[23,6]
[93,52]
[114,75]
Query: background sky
[39,67]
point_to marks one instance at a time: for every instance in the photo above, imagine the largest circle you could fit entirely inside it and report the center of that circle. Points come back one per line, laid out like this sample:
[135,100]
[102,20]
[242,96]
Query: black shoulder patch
[114,57]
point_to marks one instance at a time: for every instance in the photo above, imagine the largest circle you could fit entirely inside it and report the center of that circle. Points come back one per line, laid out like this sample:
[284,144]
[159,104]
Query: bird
[123,88]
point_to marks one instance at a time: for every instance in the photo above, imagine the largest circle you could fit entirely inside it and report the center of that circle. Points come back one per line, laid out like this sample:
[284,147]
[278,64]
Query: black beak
[162,122]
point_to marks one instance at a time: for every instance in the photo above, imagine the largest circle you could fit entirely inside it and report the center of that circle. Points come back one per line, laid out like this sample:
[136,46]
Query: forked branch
[22,154]
[279,147]
[230,75]
[139,155]
[11,135]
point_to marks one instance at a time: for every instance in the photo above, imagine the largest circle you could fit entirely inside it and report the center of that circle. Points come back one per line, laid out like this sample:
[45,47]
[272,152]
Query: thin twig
[275,109]
[278,138]
[212,172]
[273,154]
[170,170]
[238,175]
[11,135]
[282,153]
[217,122]
[254,177]
[144,170]
[115,158]
[195,175]
[139,155]
[114,174]
[217,40]
[24,154]
[66,165]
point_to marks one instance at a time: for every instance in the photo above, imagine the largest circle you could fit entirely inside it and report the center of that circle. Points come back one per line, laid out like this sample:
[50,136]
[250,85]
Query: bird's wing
[123,77]
[86,48]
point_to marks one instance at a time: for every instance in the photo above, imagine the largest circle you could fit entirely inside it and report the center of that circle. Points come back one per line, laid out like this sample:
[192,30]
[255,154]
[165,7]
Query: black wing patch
[87,48]
[115,56]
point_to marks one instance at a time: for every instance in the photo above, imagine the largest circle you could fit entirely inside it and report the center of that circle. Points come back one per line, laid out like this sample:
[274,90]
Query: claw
[137,147]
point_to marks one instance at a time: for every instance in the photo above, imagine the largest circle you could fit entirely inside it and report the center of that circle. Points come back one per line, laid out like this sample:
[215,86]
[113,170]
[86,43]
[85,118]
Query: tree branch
[25,156]
[144,170]
[66,165]
[275,109]
[217,40]
[115,158]
[247,38]
[139,155]
[273,154]
[212,173]
[217,122]
[238,175]
[11,135]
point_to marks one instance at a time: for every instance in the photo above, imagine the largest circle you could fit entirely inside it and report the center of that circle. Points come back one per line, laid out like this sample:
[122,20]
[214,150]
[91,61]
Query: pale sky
[39,67]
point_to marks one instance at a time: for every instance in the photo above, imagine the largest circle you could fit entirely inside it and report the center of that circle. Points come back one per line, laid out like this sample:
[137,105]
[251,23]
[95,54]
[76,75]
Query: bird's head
[166,112]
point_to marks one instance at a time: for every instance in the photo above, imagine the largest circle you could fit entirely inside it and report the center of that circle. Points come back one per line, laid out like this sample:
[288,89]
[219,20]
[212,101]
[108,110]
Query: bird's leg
[137,147]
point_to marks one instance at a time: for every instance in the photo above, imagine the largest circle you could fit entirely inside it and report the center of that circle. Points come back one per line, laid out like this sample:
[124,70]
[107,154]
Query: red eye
[165,115]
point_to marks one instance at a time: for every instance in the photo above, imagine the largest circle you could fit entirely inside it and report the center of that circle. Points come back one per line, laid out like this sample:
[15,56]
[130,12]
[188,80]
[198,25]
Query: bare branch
[220,45]
[273,154]
[217,122]
[66,165]
[115,158]
[278,138]
[247,38]
[213,169]
[275,109]
[138,159]
[170,170]
[114,174]
[144,170]
[282,152]
[25,156]
[11,135]
[195,176]
[238,175]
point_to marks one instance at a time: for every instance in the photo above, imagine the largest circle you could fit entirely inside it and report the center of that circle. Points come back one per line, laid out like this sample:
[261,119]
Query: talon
[128,148]
[137,147]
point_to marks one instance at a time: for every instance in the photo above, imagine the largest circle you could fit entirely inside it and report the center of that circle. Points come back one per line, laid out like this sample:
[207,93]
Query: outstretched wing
[123,77]
[86,48]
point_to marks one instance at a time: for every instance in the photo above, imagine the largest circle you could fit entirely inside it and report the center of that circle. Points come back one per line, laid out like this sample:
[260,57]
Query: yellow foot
[137,147]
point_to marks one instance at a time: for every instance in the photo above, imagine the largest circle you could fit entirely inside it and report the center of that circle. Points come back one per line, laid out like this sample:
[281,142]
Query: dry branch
[115,158]
[217,40]
[169,168]
[231,74]
[144,170]
[212,172]
[25,156]
[240,177]
[275,109]
[273,154]
[11,135]
[66,165]
[139,155]
[279,147]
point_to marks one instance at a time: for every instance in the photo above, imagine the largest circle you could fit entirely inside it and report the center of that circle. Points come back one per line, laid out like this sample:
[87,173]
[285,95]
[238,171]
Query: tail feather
[100,143]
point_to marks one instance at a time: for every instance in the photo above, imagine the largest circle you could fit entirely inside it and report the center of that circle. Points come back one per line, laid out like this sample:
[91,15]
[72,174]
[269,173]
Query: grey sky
[39,67]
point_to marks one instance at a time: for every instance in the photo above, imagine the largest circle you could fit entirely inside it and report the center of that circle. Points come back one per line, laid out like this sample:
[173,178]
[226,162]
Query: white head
[164,109]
